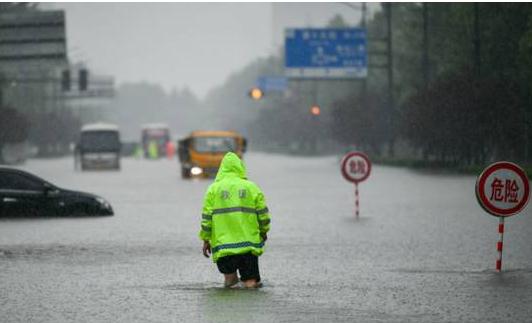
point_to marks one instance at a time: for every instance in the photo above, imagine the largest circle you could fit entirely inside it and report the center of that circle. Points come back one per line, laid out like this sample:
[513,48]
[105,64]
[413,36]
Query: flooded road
[422,250]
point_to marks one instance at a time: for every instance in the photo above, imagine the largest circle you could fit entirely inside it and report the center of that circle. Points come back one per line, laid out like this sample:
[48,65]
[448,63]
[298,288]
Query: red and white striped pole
[356,201]
[498,265]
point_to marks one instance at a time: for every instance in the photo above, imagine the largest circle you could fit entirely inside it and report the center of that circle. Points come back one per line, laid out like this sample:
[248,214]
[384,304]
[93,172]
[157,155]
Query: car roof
[100,126]
[214,133]
[21,172]
[149,126]
[13,170]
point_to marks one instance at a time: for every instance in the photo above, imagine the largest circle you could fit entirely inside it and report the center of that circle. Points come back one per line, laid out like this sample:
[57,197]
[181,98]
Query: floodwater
[421,251]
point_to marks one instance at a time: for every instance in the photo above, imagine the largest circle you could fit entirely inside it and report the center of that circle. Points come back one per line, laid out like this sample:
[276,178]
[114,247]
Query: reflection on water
[237,305]
[220,304]
[509,279]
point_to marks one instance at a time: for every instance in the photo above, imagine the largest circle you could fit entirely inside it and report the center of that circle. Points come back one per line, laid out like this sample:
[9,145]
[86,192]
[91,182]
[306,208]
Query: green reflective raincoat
[234,212]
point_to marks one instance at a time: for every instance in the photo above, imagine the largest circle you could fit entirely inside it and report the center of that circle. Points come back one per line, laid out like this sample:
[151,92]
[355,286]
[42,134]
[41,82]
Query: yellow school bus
[201,152]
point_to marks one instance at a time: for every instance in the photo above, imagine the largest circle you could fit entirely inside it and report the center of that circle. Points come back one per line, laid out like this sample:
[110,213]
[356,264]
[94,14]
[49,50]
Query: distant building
[33,53]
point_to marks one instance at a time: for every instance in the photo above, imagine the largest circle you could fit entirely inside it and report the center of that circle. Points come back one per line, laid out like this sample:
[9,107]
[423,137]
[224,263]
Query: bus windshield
[100,141]
[214,144]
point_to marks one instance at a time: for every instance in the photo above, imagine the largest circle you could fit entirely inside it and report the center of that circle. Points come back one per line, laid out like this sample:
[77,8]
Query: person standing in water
[235,222]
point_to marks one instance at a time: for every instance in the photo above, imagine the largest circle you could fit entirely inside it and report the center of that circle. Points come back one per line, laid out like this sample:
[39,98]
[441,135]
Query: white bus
[98,147]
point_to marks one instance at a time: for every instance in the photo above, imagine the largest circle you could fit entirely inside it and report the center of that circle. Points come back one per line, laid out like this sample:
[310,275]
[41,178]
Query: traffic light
[315,110]
[83,79]
[65,80]
[256,93]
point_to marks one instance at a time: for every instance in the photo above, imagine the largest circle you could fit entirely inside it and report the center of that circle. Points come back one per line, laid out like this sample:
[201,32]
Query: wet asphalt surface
[421,251]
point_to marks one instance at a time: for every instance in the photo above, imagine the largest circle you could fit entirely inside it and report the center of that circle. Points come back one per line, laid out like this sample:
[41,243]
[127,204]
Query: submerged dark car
[24,194]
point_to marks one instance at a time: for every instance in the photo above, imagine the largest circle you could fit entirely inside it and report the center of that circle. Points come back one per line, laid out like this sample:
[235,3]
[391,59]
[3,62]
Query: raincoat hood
[231,166]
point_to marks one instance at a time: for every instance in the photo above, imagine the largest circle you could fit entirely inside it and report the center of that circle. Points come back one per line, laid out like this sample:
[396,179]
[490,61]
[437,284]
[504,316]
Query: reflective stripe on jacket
[234,212]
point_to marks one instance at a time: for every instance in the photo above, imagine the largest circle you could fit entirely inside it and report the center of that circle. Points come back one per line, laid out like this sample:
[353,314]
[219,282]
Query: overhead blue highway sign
[326,53]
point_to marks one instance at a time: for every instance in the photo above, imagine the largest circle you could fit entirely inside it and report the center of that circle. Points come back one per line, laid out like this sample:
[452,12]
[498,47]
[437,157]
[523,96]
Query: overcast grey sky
[183,44]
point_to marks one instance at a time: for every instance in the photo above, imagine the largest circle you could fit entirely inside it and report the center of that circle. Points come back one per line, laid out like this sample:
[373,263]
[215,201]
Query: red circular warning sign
[356,167]
[503,189]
